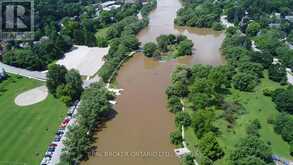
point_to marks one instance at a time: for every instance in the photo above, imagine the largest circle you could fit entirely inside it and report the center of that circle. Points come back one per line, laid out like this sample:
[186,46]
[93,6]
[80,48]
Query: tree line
[122,41]
[202,14]
[94,109]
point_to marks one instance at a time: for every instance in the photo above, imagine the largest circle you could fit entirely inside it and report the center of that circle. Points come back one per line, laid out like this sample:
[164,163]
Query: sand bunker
[32,96]
[85,59]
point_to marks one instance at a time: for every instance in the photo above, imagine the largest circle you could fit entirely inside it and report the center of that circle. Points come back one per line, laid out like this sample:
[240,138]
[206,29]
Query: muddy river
[139,134]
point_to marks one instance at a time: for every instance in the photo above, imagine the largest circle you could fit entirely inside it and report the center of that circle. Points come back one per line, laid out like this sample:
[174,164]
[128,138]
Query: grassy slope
[258,107]
[23,130]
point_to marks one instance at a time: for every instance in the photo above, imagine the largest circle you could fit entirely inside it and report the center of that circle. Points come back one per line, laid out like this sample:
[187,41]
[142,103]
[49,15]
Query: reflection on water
[139,134]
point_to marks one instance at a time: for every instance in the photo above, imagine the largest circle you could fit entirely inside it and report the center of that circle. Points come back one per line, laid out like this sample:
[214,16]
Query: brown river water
[139,133]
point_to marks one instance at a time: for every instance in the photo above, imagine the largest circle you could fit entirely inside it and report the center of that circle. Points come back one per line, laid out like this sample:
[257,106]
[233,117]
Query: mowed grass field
[25,132]
[258,107]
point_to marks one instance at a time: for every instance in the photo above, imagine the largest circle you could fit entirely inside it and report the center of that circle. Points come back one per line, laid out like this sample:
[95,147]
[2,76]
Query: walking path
[24,72]
[185,148]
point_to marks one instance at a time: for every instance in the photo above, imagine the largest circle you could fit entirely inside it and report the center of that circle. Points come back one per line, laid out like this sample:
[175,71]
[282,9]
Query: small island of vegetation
[169,47]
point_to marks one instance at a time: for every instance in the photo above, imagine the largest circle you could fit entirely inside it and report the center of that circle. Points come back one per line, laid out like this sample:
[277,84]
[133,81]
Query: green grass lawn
[258,107]
[25,132]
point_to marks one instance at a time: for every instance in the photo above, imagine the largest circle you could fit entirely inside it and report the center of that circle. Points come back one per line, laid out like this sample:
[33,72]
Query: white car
[45,161]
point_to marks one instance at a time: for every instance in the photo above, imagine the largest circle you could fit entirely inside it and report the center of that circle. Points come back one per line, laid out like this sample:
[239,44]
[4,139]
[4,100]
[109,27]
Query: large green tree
[209,147]
[202,122]
[55,77]
[244,81]
[249,147]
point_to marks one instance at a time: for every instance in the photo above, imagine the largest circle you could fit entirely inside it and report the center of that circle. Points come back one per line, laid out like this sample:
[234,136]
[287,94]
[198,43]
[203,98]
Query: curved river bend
[143,123]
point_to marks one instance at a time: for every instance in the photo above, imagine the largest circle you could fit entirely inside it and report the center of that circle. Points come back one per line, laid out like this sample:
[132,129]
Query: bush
[217,26]
[183,119]
[278,73]
[253,128]
[210,148]
[268,92]
[283,98]
[174,104]
[150,49]
[283,126]
[188,160]
[244,81]
[176,138]
[184,48]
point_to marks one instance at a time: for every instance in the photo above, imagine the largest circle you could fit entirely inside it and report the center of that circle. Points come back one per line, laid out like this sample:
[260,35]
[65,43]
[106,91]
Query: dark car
[59,132]
[51,149]
[48,156]
[57,139]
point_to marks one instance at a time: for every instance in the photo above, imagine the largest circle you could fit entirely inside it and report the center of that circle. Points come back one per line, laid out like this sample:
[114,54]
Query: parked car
[51,149]
[61,129]
[57,139]
[45,161]
[66,121]
[59,132]
[53,145]
[48,156]
[49,153]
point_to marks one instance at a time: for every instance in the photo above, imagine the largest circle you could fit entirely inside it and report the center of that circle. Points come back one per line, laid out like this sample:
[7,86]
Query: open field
[258,107]
[25,132]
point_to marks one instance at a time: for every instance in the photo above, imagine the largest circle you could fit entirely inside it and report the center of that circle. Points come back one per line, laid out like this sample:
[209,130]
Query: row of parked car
[59,134]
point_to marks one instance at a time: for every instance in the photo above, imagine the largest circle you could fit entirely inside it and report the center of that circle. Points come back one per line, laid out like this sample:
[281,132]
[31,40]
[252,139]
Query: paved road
[24,72]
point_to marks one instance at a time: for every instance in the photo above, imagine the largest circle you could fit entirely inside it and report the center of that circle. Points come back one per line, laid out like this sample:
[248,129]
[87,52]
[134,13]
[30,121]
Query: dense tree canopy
[202,122]
[252,149]
[209,147]
[244,81]
[284,99]
[203,14]
[66,85]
